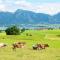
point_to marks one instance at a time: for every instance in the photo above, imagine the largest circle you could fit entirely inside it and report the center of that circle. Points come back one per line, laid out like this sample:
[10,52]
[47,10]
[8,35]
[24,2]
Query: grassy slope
[43,36]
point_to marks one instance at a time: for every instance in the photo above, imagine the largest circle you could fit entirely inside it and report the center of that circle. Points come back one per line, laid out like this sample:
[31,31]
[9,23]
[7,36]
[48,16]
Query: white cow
[2,45]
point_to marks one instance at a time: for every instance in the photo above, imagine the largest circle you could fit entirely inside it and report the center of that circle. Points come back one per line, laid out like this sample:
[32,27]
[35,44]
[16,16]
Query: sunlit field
[51,37]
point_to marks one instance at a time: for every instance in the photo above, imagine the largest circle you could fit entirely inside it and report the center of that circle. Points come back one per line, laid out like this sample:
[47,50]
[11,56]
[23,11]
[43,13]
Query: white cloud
[51,8]
[12,5]
[2,7]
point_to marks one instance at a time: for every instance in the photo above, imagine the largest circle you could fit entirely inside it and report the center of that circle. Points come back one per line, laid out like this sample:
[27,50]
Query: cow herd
[23,44]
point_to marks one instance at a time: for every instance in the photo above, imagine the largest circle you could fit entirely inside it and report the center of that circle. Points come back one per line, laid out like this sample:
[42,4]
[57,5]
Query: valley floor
[51,37]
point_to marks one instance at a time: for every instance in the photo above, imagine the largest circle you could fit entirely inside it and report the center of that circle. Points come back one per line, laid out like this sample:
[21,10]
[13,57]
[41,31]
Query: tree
[22,30]
[13,30]
[0,31]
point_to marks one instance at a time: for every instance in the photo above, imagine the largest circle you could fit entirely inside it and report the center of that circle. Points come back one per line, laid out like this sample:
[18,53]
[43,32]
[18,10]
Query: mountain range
[27,17]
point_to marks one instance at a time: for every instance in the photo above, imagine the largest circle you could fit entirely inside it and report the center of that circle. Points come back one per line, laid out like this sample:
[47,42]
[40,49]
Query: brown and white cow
[18,45]
[40,46]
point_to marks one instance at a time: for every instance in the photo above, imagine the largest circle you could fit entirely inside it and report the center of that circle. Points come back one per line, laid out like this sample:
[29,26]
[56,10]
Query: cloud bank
[13,5]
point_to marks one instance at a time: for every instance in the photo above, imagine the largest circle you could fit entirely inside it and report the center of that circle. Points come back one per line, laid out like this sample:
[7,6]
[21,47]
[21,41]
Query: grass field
[38,36]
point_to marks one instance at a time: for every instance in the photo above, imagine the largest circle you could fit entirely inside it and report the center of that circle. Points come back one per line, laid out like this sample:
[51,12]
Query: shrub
[12,30]
[22,30]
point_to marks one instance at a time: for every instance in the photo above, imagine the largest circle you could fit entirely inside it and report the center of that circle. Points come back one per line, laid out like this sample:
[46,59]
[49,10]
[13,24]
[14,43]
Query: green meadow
[51,37]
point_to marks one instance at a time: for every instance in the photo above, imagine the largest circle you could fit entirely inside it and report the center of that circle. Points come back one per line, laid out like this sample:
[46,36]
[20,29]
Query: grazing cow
[40,46]
[18,45]
[2,45]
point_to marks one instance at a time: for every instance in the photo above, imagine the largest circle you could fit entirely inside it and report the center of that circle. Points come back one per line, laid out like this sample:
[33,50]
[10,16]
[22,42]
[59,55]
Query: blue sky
[41,6]
[48,1]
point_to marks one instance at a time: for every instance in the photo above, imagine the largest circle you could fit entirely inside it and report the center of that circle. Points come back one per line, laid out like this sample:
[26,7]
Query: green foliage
[22,30]
[50,28]
[0,31]
[12,31]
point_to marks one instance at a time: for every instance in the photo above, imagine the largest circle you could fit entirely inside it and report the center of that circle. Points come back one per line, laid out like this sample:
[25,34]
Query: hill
[27,17]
